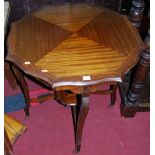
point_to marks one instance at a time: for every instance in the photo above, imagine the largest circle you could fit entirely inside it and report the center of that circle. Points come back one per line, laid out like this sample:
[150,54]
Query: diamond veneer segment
[106,29]
[38,37]
[75,61]
[71,18]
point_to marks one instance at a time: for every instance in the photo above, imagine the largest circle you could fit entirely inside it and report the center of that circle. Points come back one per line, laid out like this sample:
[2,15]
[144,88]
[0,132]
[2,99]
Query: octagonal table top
[74,45]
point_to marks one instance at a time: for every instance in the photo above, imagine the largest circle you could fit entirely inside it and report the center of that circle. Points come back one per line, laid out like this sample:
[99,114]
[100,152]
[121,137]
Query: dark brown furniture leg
[23,85]
[74,113]
[130,105]
[9,75]
[113,87]
[79,115]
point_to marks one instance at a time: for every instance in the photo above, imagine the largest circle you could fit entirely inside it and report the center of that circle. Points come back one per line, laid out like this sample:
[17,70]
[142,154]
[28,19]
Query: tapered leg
[74,113]
[79,116]
[113,94]
[23,85]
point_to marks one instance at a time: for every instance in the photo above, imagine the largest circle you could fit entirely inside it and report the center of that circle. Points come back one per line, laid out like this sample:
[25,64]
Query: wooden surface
[61,44]
[14,128]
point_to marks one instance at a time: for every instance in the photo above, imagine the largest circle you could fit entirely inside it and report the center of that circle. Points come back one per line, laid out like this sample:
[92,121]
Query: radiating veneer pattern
[71,17]
[37,38]
[64,43]
[90,59]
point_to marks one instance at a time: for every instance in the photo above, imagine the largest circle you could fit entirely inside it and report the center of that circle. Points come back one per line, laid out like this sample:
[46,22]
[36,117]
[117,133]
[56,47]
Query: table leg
[113,87]
[74,113]
[79,115]
[24,87]
[9,75]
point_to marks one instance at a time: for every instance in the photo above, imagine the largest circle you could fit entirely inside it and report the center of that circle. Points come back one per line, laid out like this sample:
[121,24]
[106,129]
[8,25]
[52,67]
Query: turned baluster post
[136,12]
[131,104]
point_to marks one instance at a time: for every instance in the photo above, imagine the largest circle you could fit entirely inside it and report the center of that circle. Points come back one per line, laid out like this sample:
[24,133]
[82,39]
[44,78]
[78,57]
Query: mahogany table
[73,48]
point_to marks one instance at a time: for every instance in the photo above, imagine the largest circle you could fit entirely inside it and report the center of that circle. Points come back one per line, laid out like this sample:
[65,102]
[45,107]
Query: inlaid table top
[74,45]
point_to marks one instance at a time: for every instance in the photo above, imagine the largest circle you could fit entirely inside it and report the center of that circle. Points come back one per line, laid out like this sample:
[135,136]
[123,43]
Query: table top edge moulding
[69,50]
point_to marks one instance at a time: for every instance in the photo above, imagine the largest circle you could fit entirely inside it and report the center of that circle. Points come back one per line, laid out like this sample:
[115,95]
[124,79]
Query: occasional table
[73,48]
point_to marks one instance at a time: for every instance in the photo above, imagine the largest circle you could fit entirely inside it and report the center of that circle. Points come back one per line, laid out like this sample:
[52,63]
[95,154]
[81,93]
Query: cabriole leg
[81,111]
[23,85]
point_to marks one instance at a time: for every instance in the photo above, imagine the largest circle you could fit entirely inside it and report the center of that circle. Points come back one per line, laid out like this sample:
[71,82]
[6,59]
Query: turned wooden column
[131,104]
[136,12]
